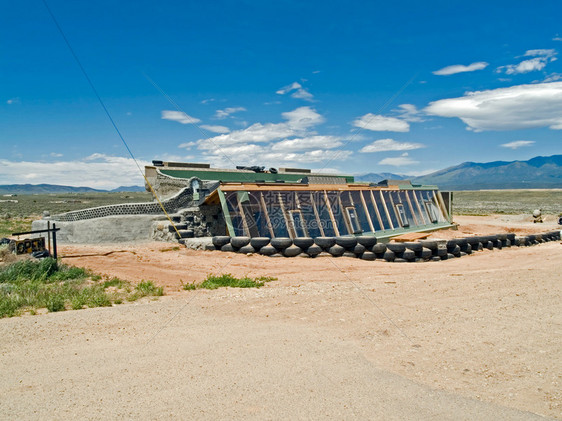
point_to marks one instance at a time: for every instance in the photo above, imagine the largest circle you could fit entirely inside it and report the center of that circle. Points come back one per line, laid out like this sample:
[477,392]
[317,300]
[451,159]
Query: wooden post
[55,241]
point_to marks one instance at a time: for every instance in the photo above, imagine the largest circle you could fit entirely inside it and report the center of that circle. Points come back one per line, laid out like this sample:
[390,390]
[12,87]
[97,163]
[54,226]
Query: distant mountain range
[376,177]
[541,172]
[53,188]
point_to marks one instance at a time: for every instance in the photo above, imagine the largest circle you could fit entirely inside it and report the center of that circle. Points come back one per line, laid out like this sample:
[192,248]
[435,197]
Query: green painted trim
[226,213]
[243,177]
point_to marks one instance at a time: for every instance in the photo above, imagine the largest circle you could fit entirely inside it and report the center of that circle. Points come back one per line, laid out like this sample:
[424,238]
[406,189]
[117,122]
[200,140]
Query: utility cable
[108,113]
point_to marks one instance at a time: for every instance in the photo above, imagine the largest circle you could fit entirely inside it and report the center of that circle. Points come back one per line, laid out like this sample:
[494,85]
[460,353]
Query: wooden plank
[411,236]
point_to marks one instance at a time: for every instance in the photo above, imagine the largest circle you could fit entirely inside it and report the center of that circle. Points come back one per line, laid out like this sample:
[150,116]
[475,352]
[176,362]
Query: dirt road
[473,338]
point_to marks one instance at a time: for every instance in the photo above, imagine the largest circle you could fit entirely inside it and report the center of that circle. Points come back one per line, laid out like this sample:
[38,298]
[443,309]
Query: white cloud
[304,143]
[553,77]
[518,144]
[400,161]
[187,145]
[285,143]
[410,113]
[97,171]
[557,38]
[221,114]
[179,116]
[297,91]
[541,58]
[379,123]
[13,101]
[206,101]
[460,68]
[516,107]
[55,154]
[215,129]
[383,145]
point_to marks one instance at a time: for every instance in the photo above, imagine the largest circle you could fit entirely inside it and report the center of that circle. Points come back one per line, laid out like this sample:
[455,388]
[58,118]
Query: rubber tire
[292,251]
[408,255]
[414,246]
[281,243]
[259,242]
[367,241]
[368,255]
[426,253]
[325,242]
[389,256]
[379,248]
[220,240]
[396,247]
[314,250]
[227,247]
[238,242]
[268,250]
[359,249]
[346,242]
[246,249]
[336,250]
[303,242]
[429,244]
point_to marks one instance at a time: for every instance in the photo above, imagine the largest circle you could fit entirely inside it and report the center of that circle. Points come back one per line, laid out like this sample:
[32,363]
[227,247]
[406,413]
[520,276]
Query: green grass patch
[9,225]
[227,280]
[29,285]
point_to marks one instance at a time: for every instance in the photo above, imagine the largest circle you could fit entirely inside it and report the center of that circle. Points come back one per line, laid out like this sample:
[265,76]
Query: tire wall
[424,250]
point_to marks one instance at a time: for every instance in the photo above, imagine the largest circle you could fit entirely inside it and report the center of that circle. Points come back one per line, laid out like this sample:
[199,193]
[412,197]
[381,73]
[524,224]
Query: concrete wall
[107,229]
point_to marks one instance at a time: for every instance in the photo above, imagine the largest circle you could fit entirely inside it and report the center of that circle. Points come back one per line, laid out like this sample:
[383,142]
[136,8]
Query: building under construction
[254,202]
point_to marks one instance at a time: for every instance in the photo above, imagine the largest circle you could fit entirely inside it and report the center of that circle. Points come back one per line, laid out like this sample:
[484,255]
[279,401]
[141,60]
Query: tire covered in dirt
[303,242]
[441,251]
[292,251]
[268,250]
[415,246]
[426,253]
[238,242]
[396,247]
[259,242]
[389,256]
[227,247]
[429,244]
[359,249]
[368,255]
[220,240]
[409,255]
[314,250]
[325,242]
[336,250]
[367,241]
[281,243]
[247,249]
[379,248]
[346,242]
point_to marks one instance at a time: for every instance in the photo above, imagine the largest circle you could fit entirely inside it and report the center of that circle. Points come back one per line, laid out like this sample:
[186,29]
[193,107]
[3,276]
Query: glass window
[400,210]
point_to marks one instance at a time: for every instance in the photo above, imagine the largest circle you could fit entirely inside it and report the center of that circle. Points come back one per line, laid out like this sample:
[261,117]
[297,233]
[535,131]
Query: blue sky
[355,87]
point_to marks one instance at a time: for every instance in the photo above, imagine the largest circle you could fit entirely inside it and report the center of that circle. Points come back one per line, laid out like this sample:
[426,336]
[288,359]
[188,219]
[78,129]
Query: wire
[108,113]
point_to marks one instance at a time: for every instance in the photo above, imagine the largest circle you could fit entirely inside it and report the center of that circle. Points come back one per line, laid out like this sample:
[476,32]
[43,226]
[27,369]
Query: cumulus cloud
[410,113]
[541,58]
[460,68]
[215,129]
[516,107]
[97,171]
[290,142]
[379,123]
[187,145]
[297,91]
[305,143]
[383,145]
[179,116]
[518,144]
[221,114]
[399,161]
